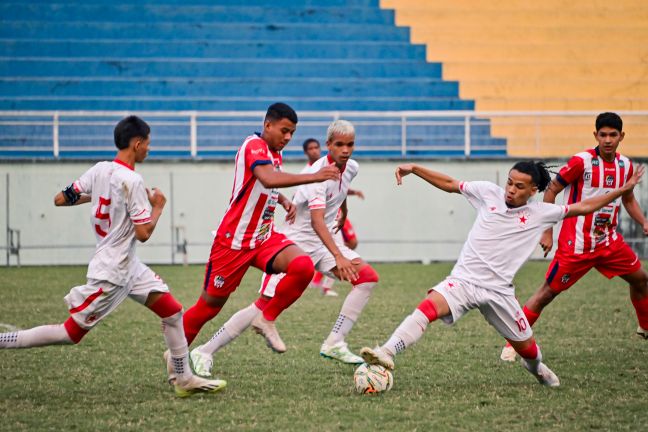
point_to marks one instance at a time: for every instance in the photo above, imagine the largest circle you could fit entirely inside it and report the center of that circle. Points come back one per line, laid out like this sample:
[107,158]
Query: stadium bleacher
[224,55]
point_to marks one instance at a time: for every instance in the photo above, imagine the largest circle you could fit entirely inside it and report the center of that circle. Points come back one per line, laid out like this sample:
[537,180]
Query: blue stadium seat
[220,55]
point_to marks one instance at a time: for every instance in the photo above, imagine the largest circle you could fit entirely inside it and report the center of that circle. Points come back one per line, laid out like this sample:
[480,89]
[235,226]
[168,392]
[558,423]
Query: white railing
[403,133]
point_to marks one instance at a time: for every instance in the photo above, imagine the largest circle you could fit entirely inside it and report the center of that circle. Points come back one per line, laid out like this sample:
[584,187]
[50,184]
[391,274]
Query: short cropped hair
[278,111]
[129,128]
[609,119]
[339,127]
[308,141]
[539,172]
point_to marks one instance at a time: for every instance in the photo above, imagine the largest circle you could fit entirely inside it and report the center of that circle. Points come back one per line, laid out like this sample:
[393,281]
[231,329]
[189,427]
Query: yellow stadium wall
[553,55]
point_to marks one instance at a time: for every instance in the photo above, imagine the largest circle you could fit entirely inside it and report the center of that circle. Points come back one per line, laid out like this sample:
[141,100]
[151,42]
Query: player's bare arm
[633,208]
[291,209]
[69,197]
[270,178]
[157,199]
[590,205]
[356,192]
[345,267]
[435,178]
[550,194]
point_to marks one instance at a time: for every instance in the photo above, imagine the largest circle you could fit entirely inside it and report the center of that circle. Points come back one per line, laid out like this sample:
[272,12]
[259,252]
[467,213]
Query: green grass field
[452,380]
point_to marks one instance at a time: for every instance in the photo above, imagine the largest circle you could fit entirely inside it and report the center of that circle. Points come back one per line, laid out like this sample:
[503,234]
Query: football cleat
[202,363]
[543,374]
[328,292]
[643,333]
[268,330]
[196,384]
[340,351]
[377,356]
[508,354]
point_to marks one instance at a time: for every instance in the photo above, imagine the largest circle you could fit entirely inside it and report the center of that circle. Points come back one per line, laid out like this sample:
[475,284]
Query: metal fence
[196,135]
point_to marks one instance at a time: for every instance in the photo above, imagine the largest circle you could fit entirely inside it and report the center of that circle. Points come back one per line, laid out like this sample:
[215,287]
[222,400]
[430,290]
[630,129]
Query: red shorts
[348,233]
[616,260]
[226,266]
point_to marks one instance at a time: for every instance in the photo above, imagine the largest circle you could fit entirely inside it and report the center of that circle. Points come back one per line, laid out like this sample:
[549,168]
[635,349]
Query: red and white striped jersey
[249,219]
[119,202]
[587,175]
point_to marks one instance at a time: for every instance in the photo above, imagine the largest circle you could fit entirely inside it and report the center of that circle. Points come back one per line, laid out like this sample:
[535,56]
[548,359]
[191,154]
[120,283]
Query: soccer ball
[372,379]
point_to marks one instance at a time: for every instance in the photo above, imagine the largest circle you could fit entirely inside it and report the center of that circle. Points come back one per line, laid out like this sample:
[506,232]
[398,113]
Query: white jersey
[328,195]
[119,202]
[501,239]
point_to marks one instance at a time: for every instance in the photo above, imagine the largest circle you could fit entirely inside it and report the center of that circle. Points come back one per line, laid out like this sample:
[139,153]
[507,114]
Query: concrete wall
[411,222]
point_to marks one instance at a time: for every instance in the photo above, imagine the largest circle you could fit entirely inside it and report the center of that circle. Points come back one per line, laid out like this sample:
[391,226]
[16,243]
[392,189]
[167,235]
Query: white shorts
[322,259]
[500,310]
[90,303]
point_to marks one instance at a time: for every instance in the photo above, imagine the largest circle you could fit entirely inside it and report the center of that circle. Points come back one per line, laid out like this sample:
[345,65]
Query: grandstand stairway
[223,55]
[553,55]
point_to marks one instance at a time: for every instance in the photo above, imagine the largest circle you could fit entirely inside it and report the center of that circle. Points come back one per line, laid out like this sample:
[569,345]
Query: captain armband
[71,195]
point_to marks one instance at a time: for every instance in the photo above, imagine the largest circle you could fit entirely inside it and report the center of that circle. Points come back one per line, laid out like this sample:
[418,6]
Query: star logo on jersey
[219,281]
[523,218]
[493,209]
[450,285]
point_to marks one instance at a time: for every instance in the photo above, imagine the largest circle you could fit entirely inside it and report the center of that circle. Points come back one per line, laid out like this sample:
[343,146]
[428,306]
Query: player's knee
[366,274]
[166,306]
[75,331]
[303,267]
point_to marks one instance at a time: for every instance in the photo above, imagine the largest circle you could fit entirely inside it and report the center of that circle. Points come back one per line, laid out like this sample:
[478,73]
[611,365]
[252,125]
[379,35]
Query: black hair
[278,111]
[609,119]
[129,128]
[539,172]
[308,141]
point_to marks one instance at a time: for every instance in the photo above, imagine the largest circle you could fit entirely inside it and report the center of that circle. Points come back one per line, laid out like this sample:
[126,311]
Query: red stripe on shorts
[87,301]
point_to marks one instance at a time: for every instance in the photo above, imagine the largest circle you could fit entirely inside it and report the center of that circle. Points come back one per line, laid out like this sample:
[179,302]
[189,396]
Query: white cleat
[508,354]
[543,374]
[196,384]
[268,330]
[340,351]
[642,332]
[202,363]
[171,375]
[377,356]
[328,292]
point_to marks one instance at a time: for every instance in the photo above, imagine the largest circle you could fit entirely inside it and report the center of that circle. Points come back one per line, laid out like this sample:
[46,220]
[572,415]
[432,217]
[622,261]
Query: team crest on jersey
[219,281]
[565,278]
[523,218]
[609,180]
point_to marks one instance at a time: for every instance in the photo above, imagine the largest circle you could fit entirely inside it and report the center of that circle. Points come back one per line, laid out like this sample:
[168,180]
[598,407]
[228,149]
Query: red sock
[317,279]
[262,302]
[531,316]
[196,317]
[298,275]
[73,330]
[530,352]
[641,308]
[166,306]
[428,309]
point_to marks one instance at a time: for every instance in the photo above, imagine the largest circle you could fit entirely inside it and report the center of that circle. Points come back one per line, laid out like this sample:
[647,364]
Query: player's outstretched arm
[69,197]
[157,199]
[592,204]
[546,240]
[270,178]
[435,178]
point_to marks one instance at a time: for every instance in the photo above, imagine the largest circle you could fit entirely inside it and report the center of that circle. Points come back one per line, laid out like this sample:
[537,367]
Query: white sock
[232,329]
[327,282]
[534,363]
[177,343]
[407,333]
[54,334]
[350,312]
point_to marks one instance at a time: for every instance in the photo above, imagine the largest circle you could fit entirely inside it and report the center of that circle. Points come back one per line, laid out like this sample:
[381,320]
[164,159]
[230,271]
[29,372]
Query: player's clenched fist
[156,197]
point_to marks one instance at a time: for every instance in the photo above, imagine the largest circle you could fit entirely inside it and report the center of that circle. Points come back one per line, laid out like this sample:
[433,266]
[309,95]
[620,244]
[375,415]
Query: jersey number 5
[104,203]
